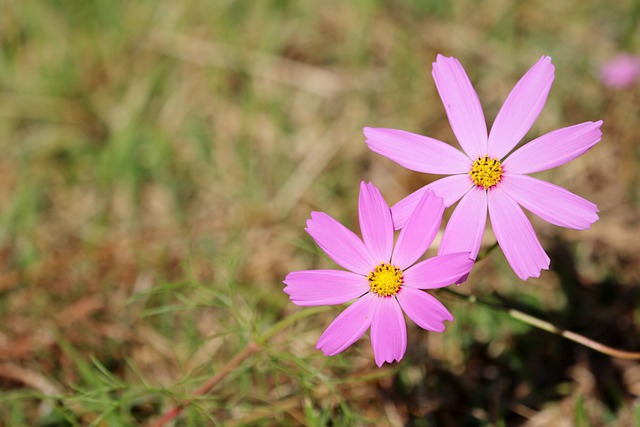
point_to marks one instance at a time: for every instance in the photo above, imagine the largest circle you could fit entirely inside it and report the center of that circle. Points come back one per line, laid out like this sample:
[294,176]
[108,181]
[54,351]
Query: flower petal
[375,222]
[439,271]
[554,149]
[340,243]
[419,231]
[465,228]
[425,311]
[349,326]
[416,152]
[324,287]
[516,236]
[552,203]
[462,105]
[388,332]
[521,109]
[450,188]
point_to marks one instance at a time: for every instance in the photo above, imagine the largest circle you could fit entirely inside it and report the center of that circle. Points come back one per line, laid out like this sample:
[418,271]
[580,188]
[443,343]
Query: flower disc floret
[486,172]
[385,280]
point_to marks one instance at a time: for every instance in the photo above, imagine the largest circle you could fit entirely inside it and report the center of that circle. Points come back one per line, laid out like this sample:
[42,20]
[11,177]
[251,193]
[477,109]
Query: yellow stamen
[385,280]
[486,172]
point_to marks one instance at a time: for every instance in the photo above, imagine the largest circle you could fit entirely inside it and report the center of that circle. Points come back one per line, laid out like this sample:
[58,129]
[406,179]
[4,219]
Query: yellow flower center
[486,172]
[385,280]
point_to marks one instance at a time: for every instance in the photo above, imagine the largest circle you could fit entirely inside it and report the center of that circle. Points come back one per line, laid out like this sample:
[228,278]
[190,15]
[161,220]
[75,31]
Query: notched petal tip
[533,274]
[442,58]
[324,287]
[314,216]
[288,282]
[546,58]
[546,61]
[324,350]
[369,131]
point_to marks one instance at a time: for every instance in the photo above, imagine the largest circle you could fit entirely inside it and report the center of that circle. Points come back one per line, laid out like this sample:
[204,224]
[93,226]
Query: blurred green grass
[161,158]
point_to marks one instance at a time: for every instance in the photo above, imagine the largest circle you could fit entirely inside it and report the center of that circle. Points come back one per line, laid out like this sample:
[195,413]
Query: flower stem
[549,327]
[483,254]
[290,319]
[251,348]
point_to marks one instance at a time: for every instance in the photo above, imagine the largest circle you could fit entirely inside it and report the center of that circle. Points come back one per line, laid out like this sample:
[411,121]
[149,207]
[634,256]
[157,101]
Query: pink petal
[419,231]
[552,203]
[521,109]
[516,236]
[375,223]
[466,226]
[388,332]
[349,326]
[450,188]
[324,287]
[462,105]
[439,271]
[425,311]
[416,152]
[340,243]
[554,149]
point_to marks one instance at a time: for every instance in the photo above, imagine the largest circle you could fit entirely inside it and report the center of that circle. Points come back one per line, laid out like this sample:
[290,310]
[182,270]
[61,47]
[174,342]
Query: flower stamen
[486,172]
[385,280]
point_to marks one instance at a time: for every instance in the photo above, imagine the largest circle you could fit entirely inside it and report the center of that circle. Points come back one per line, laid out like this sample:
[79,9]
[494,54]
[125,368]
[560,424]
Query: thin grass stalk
[251,348]
[549,327]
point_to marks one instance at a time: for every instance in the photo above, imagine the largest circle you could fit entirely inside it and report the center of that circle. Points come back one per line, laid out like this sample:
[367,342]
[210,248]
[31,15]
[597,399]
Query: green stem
[549,327]
[482,255]
[290,320]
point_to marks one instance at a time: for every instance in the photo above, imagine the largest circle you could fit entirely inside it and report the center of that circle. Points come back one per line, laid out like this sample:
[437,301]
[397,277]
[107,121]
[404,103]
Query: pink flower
[484,177]
[382,277]
[621,71]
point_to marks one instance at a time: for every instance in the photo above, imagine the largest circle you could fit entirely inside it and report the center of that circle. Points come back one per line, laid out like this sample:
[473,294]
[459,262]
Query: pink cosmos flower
[621,71]
[382,277]
[484,176]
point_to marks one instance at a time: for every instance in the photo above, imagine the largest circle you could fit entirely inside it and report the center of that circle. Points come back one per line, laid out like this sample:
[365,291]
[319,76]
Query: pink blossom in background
[484,177]
[381,276]
[621,71]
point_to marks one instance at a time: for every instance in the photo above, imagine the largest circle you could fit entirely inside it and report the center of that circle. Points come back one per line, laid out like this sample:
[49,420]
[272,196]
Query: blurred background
[159,160]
